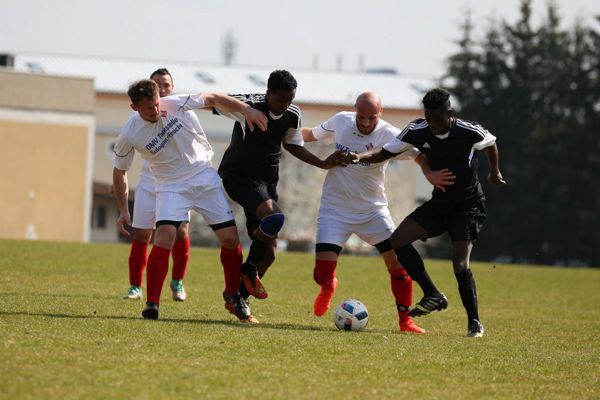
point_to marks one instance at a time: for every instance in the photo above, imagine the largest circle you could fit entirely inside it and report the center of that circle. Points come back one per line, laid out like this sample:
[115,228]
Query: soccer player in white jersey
[353,201]
[457,205]
[143,222]
[180,161]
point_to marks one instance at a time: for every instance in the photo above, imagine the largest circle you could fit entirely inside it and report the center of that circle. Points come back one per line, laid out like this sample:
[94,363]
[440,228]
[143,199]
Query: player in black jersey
[250,171]
[457,205]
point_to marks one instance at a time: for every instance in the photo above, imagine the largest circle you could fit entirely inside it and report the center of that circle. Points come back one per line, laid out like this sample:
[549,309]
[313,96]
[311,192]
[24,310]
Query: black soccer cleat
[428,304]
[236,305]
[474,329]
[151,311]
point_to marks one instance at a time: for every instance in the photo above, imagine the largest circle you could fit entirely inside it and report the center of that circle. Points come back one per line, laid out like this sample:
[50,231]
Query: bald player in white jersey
[353,201]
[180,161]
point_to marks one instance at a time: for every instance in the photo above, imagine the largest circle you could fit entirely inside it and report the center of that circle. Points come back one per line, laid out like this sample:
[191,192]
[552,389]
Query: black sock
[413,264]
[468,293]
[243,291]
[257,252]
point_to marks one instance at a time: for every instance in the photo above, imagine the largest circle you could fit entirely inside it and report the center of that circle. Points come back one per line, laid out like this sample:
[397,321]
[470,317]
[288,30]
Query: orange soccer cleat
[409,326]
[323,299]
[252,282]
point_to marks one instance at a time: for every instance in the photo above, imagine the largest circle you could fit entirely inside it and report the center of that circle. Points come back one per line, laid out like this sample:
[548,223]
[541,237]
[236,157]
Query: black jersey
[255,154]
[454,150]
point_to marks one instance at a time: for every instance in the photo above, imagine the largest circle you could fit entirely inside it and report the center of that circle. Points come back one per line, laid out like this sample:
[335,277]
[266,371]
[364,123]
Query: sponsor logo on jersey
[158,142]
[426,146]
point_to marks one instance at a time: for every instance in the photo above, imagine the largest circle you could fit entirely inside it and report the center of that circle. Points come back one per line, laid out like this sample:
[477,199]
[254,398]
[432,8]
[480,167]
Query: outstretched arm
[494,176]
[307,135]
[121,191]
[371,156]
[440,179]
[231,104]
[300,152]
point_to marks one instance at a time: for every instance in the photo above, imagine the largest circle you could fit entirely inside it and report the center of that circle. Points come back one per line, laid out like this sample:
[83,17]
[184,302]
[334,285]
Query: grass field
[66,333]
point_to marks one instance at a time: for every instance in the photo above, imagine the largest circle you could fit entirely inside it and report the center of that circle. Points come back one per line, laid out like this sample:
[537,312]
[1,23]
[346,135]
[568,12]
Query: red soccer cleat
[410,327]
[252,282]
[254,286]
[323,299]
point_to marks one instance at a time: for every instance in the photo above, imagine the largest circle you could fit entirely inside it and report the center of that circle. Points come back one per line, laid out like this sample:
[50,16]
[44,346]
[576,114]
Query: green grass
[65,333]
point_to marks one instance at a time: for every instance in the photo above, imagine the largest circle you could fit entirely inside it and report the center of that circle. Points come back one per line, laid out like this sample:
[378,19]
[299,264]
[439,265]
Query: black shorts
[462,220]
[249,193]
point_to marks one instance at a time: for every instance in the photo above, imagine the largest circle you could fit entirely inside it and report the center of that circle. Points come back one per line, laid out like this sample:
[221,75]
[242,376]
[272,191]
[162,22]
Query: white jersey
[175,146]
[355,192]
[147,180]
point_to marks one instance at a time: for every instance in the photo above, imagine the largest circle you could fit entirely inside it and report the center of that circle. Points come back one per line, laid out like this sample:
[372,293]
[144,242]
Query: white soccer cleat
[134,293]
[178,290]
[475,329]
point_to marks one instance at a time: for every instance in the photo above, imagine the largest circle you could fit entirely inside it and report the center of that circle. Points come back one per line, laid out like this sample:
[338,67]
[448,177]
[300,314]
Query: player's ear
[133,107]
[450,112]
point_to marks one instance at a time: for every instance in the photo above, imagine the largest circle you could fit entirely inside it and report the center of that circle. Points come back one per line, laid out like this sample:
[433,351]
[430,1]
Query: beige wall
[46,181]
[46,128]
[46,92]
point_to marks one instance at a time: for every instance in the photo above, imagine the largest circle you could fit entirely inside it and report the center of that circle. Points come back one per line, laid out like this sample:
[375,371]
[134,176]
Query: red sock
[138,256]
[324,271]
[181,255]
[231,259]
[158,266]
[402,289]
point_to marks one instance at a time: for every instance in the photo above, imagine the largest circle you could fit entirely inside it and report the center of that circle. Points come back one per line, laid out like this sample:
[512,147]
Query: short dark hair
[436,98]
[142,89]
[161,71]
[281,80]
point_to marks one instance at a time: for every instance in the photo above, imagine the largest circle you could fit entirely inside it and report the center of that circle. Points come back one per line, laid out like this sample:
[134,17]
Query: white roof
[316,87]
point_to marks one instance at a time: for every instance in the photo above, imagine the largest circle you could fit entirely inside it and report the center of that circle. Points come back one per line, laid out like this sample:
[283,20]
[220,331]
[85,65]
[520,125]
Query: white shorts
[335,229]
[144,208]
[202,193]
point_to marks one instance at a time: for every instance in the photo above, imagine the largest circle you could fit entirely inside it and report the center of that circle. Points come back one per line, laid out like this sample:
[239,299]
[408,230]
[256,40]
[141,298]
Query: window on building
[257,80]
[101,217]
[205,77]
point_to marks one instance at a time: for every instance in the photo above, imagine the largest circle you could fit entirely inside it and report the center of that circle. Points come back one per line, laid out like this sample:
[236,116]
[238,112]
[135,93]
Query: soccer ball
[351,315]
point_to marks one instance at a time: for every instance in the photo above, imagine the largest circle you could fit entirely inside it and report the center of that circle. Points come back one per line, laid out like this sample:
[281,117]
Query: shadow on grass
[64,295]
[282,326]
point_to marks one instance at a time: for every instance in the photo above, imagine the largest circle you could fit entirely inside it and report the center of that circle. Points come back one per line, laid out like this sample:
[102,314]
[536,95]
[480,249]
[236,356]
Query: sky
[414,37]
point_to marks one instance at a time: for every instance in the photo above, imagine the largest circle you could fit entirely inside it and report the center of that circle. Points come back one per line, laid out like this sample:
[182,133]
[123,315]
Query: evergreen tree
[537,90]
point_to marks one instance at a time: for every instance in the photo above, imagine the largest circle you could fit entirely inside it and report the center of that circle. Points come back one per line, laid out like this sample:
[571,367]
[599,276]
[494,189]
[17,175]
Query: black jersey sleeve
[249,99]
[477,135]
[410,133]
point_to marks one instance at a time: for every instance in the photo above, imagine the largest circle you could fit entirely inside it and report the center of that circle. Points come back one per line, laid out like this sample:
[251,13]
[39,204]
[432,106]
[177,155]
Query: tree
[537,90]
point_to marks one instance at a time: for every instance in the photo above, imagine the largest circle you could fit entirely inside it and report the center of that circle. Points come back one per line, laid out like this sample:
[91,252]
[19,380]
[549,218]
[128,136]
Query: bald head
[368,101]
[368,111]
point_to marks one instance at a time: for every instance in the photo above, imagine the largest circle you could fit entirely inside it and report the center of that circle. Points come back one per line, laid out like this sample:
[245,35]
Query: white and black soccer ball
[351,315]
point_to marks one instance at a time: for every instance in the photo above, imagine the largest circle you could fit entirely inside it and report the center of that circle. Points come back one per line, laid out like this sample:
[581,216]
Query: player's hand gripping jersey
[357,189]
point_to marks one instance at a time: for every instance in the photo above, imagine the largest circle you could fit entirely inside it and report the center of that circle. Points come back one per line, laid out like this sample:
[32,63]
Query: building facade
[320,95]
